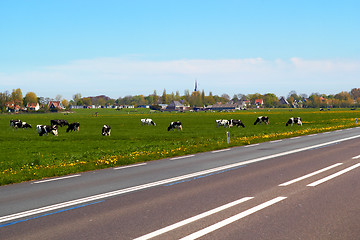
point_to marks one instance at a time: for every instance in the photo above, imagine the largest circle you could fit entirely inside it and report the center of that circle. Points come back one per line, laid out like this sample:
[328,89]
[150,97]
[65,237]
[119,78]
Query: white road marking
[326,132]
[221,150]
[312,135]
[333,175]
[275,141]
[309,175]
[161,182]
[56,179]
[130,166]
[295,138]
[187,156]
[192,219]
[356,157]
[252,145]
[232,219]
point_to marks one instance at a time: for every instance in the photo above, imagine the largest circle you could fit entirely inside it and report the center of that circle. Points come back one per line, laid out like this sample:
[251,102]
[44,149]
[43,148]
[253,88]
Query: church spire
[195,89]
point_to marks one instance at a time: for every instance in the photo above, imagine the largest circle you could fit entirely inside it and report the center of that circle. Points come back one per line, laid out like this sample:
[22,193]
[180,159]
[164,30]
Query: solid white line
[333,175]
[162,182]
[275,141]
[130,166]
[187,156]
[192,219]
[356,157]
[309,175]
[221,150]
[232,219]
[252,145]
[56,179]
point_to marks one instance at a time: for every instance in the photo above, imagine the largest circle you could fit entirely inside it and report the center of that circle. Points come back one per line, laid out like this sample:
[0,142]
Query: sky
[120,48]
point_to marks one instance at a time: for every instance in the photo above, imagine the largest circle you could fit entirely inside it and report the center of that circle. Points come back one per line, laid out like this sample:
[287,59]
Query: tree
[155,98]
[77,98]
[30,97]
[65,103]
[164,98]
[271,100]
[355,93]
[17,96]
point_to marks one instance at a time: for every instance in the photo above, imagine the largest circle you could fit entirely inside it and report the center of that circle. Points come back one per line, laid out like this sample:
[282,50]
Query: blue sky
[120,48]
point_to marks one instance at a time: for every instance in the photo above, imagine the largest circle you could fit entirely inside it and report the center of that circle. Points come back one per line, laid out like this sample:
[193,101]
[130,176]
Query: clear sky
[132,47]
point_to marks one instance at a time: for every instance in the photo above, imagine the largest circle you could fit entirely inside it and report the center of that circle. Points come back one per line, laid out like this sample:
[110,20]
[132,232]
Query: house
[175,106]
[259,102]
[13,106]
[282,100]
[55,105]
[33,106]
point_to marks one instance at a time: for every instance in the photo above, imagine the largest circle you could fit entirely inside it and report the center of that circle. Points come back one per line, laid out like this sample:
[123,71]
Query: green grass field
[26,156]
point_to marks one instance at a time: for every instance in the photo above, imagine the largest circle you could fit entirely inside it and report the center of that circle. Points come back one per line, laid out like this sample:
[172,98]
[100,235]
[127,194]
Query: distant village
[194,101]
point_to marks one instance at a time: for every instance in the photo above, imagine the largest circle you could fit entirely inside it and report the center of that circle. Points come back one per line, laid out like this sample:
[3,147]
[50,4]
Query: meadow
[27,156]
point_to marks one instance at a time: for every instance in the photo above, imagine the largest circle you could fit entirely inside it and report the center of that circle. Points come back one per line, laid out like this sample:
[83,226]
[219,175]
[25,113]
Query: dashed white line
[309,175]
[232,219]
[333,175]
[312,135]
[130,166]
[56,179]
[325,132]
[187,156]
[221,150]
[275,141]
[192,219]
[295,138]
[252,145]
[356,157]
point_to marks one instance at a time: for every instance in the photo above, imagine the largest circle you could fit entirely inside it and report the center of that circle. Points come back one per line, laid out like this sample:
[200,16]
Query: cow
[46,129]
[222,122]
[25,125]
[106,129]
[147,121]
[234,122]
[15,123]
[293,120]
[174,125]
[262,119]
[73,126]
[59,122]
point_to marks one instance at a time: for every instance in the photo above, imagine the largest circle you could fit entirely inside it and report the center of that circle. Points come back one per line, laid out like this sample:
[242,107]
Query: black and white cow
[73,126]
[25,125]
[264,119]
[293,120]
[147,121]
[234,122]
[46,129]
[174,125]
[59,122]
[15,123]
[106,129]
[222,122]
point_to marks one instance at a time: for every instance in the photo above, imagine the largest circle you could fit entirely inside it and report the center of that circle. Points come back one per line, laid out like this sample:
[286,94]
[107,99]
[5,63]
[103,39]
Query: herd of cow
[106,129]
[47,129]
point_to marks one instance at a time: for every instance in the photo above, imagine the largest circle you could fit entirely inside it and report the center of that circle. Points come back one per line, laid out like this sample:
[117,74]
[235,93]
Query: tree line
[194,99]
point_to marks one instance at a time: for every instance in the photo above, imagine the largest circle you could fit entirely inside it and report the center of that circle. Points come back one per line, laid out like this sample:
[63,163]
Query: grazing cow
[174,125]
[59,122]
[234,122]
[46,129]
[73,126]
[25,125]
[106,130]
[147,121]
[293,120]
[222,122]
[15,123]
[262,119]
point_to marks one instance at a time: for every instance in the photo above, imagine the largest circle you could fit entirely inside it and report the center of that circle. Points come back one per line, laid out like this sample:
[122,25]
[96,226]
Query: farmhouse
[176,106]
[33,106]
[55,105]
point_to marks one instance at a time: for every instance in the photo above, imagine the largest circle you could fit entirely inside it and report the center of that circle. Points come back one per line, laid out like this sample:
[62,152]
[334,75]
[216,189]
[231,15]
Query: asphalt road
[297,188]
